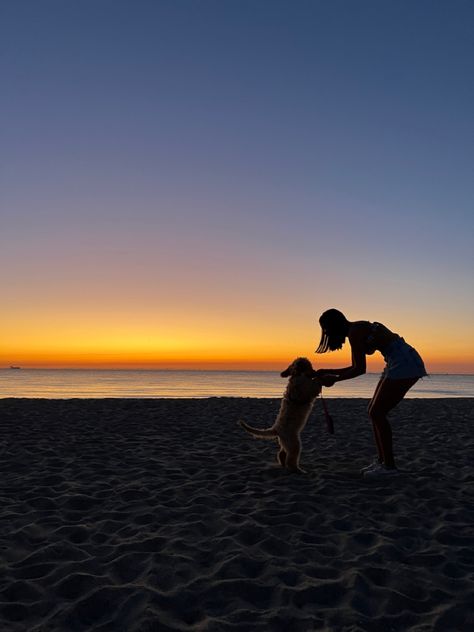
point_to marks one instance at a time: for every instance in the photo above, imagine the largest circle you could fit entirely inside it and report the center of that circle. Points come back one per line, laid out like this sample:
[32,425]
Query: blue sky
[233,151]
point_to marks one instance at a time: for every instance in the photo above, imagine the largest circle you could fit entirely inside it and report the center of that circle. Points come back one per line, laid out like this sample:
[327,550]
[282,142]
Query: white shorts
[402,361]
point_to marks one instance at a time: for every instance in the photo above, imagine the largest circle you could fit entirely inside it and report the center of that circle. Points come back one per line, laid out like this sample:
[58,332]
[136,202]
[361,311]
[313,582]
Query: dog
[303,388]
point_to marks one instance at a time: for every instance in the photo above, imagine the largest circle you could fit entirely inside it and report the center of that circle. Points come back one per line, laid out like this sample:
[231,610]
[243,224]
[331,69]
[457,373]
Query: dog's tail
[265,433]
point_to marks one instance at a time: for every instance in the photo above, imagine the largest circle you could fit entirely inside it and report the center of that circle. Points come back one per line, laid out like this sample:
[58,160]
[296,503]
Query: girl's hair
[334,327]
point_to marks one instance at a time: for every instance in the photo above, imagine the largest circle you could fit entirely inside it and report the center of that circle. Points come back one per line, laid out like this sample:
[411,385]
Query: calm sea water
[59,384]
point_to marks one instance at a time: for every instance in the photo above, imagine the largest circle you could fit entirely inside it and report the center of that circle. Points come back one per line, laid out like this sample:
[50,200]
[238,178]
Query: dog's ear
[287,372]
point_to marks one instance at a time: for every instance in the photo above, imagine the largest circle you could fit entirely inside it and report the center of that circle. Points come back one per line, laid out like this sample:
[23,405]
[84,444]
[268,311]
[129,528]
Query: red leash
[329,421]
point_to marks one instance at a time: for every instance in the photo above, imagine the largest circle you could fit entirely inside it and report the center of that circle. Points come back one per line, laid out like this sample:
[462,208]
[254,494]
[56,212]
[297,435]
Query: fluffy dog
[303,388]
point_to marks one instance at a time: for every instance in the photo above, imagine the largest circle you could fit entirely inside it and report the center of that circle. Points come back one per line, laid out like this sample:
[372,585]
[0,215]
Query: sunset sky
[191,183]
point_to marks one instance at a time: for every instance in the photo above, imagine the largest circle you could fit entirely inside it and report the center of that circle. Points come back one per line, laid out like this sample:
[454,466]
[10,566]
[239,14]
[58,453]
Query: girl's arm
[358,367]
[331,371]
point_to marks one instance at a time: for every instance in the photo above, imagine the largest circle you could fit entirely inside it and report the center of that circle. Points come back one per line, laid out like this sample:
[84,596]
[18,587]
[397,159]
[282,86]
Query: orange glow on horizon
[210,340]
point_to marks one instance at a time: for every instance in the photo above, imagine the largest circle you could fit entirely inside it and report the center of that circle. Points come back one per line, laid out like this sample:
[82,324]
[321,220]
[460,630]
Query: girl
[404,367]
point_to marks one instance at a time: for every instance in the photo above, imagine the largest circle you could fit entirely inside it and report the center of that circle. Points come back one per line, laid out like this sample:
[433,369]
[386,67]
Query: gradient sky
[191,183]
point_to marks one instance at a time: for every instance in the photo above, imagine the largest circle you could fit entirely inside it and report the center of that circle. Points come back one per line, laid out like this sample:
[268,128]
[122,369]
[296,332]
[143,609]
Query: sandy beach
[156,515]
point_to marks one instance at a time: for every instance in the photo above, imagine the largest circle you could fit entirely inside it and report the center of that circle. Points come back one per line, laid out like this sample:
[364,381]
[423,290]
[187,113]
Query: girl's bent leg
[378,443]
[388,394]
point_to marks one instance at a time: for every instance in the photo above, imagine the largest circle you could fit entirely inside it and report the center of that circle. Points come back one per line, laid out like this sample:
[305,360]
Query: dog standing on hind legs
[301,392]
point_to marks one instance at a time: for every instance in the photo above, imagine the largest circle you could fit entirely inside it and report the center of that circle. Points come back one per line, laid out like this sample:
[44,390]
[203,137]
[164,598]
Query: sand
[141,515]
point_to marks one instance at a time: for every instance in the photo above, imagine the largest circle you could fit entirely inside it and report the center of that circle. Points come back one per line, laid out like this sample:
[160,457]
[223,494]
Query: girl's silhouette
[404,367]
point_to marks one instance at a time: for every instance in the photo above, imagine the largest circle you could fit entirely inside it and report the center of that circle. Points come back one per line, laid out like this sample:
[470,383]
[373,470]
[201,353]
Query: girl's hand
[320,373]
[327,380]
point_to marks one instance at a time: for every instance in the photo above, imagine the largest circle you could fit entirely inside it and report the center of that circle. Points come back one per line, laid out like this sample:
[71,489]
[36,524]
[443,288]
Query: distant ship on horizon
[15,368]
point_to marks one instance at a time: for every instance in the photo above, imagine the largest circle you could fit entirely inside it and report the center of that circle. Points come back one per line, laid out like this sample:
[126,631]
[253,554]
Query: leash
[329,421]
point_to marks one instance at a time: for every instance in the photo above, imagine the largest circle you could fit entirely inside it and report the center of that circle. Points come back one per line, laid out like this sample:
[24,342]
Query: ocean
[71,383]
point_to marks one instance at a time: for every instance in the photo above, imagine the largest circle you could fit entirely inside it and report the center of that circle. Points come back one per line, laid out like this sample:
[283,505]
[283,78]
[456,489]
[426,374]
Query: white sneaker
[381,472]
[375,463]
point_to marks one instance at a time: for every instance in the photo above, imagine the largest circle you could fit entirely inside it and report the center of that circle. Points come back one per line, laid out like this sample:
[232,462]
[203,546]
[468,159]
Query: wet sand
[156,515]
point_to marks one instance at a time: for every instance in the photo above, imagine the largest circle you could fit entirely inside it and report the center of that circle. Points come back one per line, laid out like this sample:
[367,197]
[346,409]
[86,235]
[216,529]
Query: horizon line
[196,370]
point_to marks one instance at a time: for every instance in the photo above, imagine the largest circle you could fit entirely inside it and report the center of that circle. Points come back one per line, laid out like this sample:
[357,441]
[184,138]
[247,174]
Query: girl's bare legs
[387,395]
[378,443]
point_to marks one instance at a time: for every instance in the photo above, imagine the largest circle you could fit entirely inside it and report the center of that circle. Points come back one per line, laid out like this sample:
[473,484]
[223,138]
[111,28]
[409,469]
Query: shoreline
[161,513]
